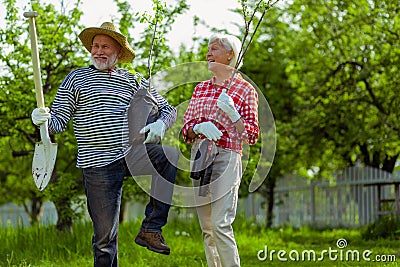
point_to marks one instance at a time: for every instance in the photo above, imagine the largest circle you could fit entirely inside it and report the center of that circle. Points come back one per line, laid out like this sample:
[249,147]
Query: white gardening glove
[225,102]
[40,116]
[208,129]
[156,132]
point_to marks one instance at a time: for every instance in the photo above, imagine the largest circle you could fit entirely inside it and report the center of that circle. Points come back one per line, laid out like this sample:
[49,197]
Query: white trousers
[217,210]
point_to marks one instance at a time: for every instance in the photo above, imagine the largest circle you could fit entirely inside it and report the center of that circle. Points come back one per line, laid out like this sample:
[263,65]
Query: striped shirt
[98,102]
[203,107]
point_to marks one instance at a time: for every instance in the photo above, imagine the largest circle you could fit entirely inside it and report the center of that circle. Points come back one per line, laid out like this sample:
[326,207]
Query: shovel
[45,152]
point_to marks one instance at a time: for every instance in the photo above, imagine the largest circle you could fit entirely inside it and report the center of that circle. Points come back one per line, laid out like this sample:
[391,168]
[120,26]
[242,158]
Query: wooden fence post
[312,202]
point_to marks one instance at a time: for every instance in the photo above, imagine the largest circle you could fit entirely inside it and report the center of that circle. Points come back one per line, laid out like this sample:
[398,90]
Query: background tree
[346,77]
[329,70]
[60,52]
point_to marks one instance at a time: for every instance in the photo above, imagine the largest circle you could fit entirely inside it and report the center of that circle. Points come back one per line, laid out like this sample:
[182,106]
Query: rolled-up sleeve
[189,120]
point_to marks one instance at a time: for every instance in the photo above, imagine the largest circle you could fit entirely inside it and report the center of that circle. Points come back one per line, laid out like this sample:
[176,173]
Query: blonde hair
[230,42]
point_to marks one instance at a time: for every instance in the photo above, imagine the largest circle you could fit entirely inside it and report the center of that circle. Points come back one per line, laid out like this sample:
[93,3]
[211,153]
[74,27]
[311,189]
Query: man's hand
[208,129]
[156,132]
[40,116]
[226,104]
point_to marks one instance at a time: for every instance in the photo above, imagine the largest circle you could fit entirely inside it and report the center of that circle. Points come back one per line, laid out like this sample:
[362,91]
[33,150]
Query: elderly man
[97,98]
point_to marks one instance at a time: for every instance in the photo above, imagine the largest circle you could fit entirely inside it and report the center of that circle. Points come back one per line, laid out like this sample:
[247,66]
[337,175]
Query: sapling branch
[154,23]
[152,46]
[248,21]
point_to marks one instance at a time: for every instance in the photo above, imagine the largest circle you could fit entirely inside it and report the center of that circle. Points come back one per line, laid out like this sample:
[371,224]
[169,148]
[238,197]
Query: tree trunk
[64,218]
[270,201]
[35,211]
[389,163]
[122,210]
[63,207]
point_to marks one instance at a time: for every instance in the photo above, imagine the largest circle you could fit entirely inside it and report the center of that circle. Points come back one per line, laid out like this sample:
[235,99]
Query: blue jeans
[103,189]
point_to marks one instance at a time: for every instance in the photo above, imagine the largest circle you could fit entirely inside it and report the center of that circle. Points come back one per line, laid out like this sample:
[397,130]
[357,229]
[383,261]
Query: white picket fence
[356,197]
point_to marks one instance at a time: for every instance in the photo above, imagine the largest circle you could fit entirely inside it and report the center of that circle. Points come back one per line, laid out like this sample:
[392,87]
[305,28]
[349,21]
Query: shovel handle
[44,134]
[35,59]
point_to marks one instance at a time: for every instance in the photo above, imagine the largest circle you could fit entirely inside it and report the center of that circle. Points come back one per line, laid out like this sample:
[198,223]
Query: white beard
[109,64]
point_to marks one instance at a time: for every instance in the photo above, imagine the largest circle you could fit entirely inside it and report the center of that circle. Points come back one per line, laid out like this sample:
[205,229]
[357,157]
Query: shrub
[387,227]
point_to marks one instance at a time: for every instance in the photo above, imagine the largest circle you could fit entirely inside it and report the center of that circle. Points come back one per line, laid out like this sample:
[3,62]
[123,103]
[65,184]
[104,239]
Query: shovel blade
[43,162]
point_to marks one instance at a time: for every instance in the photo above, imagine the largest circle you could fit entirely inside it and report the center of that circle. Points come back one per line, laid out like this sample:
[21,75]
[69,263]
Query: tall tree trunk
[389,163]
[64,218]
[122,210]
[270,202]
[63,207]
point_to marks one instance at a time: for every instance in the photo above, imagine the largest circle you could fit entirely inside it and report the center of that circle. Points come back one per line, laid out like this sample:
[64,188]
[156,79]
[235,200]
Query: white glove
[40,116]
[156,132]
[225,102]
[208,129]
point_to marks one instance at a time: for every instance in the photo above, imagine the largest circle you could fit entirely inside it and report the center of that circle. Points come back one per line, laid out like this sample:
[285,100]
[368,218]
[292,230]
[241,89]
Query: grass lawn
[44,246]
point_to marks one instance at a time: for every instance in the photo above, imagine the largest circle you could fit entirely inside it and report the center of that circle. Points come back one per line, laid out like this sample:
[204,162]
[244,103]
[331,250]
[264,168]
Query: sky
[216,13]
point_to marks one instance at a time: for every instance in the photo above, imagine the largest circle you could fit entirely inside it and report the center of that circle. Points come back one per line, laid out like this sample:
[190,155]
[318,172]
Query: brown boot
[152,241]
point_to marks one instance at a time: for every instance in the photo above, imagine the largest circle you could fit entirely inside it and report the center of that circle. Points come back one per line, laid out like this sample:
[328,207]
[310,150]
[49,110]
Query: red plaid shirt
[203,107]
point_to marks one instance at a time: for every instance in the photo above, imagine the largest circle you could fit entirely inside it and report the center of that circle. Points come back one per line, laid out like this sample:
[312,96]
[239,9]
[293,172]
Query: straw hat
[109,29]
